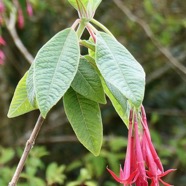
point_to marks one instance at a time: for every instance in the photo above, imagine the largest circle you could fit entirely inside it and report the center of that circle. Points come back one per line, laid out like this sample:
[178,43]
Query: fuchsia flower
[2,41]
[20,20]
[142,162]
[29,8]
[2,55]
[2,7]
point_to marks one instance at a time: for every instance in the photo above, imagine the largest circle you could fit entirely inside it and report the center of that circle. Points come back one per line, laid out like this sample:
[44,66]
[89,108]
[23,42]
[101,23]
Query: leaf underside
[85,118]
[120,69]
[54,69]
[119,102]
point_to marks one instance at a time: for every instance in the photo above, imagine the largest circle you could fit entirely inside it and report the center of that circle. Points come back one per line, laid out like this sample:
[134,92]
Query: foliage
[165,88]
[55,67]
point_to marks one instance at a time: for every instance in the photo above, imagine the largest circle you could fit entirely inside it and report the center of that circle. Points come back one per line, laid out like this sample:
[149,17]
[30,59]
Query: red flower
[142,161]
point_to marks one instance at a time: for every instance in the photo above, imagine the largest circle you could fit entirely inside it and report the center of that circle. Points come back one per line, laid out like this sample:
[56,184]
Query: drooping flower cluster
[20,18]
[142,164]
[16,4]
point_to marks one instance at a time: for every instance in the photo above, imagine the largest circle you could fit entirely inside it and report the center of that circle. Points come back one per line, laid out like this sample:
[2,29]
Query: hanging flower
[2,41]
[2,7]
[142,161]
[20,18]
[29,8]
[2,57]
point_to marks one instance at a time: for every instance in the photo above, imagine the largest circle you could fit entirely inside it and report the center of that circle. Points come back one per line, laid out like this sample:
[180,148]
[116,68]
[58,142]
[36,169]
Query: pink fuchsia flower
[2,57]
[129,173]
[2,7]
[29,8]
[2,41]
[142,161]
[20,18]
[155,168]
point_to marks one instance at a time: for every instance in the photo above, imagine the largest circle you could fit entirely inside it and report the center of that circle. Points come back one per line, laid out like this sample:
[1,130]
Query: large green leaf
[119,102]
[88,83]
[54,69]
[119,68]
[85,118]
[20,103]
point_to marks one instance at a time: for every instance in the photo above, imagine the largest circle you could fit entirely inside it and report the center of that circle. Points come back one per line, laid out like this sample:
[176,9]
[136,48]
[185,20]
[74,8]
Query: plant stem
[101,26]
[81,28]
[28,147]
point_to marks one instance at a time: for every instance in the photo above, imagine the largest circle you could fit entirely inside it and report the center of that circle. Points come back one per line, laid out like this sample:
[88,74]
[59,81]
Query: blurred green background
[154,31]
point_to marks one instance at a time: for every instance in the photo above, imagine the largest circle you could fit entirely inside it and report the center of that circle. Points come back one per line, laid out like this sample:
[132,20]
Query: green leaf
[92,6]
[80,6]
[20,103]
[30,86]
[88,44]
[54,174]
[55,67]
[86,8]
[90,51]
[6,154]
[77,3]
[119,102]
[88,83]
[120,69]
[85,118]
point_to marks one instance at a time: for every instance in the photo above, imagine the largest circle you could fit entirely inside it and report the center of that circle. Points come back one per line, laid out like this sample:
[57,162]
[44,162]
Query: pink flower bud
[29,9]
[2,41]
[2,7]
[20,19]
[2,57]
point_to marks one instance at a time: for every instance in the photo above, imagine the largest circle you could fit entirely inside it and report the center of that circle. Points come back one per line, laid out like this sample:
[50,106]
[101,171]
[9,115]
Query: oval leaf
[88,83]
[55,67]
[119,102]
[85,118]
[20,103]
[119,68]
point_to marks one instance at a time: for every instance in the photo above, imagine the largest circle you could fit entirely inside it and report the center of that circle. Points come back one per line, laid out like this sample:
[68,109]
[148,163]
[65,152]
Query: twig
[161,71]
[173,61]
[28,147]
[10,24]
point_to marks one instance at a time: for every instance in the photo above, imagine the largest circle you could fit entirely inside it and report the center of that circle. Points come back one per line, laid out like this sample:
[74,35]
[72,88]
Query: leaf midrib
[85,120]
